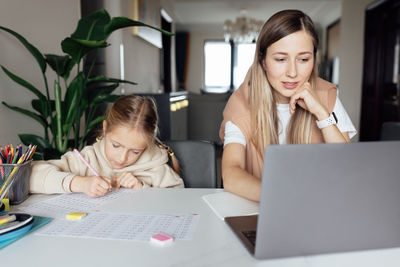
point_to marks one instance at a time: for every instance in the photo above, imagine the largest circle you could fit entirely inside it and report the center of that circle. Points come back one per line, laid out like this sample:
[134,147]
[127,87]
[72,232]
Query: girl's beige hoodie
[54,176]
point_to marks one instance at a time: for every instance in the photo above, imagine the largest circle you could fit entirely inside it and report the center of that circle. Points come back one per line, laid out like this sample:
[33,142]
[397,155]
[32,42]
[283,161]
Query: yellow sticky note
[75,216]
[6,203]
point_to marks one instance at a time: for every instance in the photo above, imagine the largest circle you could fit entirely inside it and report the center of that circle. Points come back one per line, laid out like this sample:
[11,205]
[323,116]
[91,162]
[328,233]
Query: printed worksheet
[59,206]
[125,226]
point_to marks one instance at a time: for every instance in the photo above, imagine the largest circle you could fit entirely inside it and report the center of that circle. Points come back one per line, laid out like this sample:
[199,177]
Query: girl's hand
[128,180]
[93,186]
[306,98]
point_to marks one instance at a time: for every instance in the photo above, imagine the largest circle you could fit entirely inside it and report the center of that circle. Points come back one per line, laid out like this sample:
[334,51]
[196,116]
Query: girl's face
[289,63]
[124,145]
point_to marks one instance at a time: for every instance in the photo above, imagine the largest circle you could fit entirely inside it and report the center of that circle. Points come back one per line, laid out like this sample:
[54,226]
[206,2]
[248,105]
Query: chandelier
[243,30]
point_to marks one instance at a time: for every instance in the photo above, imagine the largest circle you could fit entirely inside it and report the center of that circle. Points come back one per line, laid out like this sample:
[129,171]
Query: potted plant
[61,117]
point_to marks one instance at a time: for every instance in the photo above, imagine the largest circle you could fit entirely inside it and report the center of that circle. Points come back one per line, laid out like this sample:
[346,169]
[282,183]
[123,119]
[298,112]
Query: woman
[281,101]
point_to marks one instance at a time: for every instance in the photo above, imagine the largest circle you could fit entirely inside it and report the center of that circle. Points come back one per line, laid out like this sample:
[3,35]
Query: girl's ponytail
[174,160]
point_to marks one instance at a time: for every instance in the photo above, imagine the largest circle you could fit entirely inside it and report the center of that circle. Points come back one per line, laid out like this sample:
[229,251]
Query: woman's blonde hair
[264,118]
[139,112]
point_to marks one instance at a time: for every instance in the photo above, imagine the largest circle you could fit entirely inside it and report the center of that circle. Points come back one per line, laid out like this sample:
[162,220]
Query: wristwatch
[331,120]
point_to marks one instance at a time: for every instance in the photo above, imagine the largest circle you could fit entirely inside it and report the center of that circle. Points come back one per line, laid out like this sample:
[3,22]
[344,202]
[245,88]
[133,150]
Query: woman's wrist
[322,114]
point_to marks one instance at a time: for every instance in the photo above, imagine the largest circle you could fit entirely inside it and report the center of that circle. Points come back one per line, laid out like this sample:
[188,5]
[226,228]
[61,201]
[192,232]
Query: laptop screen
[325,198]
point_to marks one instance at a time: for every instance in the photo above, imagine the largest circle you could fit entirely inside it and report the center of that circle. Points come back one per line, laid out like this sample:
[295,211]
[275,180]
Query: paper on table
[226,204]
[125,226]
[59,206]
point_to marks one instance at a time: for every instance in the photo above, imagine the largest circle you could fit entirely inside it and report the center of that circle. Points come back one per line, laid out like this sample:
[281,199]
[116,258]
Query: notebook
[226,204]
[325,198]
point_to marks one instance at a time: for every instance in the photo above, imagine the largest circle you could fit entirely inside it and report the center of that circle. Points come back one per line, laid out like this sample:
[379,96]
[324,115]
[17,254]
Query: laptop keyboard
[251,236]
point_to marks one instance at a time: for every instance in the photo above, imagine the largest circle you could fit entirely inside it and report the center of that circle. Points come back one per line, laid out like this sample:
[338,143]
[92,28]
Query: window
[226,65]
[244,55]
[217,60]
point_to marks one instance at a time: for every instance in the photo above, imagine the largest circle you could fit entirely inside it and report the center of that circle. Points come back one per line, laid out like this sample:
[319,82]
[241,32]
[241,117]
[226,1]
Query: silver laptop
[325,198]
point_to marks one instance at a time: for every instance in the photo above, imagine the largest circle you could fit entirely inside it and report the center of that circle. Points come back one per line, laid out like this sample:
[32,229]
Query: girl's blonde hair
[139,112]
[264,116]
[135,112]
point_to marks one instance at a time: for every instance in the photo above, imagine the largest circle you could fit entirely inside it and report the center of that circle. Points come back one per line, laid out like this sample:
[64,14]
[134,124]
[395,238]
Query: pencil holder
[14,183]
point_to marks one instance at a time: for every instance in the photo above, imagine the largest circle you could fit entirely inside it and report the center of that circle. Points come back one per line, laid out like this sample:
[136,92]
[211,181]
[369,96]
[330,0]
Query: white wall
[322,25]
[351,54]
[141,59]
[44,23]
[195,75]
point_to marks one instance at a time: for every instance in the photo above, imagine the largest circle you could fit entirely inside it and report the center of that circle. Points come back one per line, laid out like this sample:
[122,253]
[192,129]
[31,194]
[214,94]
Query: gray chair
[390,131]
[197,162]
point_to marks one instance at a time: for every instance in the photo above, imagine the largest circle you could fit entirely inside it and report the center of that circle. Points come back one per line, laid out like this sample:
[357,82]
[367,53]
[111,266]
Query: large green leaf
[102,79]
[91,43]
[70,94]
[57,98]
[123,22]
[53,128]
[101,90]
[30,87]
[72,101]
[95,122]
[74,49]
[78,48]
[92,26]
[90,125]
[28,139]
[33,50]
[88,35]
[29,113]
[105,98]
[37,105]
[25,84]
[60,64]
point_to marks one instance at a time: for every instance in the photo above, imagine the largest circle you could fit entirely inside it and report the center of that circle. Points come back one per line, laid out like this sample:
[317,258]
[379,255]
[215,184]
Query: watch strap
[331,120]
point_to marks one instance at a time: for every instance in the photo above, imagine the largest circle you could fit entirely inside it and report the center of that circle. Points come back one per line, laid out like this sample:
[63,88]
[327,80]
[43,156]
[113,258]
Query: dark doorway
[94,61]
[381,78]
[166,24]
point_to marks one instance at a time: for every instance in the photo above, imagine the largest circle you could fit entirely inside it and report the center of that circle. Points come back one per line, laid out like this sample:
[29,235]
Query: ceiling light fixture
[243,30]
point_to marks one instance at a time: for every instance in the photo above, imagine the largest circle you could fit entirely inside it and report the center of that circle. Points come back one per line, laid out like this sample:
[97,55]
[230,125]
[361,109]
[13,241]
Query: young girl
[281,101]
[127,154]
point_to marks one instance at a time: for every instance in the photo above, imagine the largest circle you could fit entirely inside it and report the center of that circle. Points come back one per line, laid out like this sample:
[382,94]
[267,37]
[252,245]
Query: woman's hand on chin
[307,99]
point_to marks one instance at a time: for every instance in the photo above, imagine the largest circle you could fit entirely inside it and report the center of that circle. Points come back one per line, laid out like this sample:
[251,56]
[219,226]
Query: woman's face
[124,145]
[289,63]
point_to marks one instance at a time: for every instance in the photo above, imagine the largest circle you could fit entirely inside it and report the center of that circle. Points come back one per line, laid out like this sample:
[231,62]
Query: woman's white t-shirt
[234,135]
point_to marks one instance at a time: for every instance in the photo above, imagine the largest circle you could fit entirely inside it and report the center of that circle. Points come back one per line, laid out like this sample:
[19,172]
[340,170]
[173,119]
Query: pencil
[32,152]
[15,158]
[86,163]
[3,153]
[1,170]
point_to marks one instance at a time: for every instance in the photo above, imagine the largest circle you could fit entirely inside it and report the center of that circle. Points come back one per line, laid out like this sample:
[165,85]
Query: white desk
[213,243]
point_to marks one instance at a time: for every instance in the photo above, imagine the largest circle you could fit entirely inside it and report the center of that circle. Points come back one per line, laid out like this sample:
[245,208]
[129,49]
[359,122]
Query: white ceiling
[198,13]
